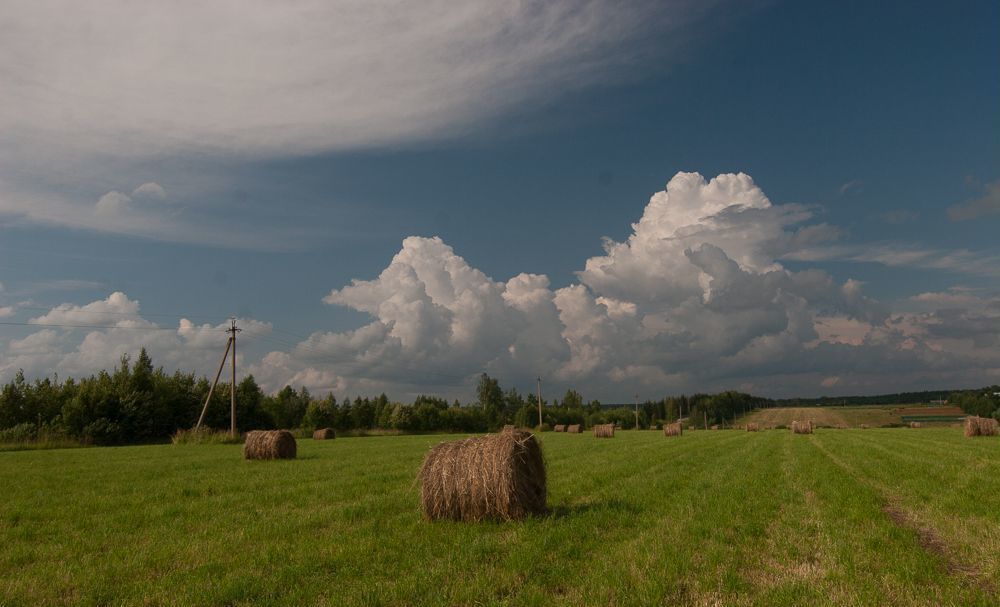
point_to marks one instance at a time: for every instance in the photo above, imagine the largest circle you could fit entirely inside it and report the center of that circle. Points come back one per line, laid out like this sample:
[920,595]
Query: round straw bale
[574,429]
[916,425]
[981,426]
[674,429]
[604,430]
[269,444]
[559,428]
[805,427]
[493,477]
[753,427]
[324,434]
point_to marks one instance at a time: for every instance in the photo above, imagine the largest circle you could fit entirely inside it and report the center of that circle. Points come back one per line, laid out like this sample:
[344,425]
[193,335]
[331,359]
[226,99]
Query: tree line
[136,403]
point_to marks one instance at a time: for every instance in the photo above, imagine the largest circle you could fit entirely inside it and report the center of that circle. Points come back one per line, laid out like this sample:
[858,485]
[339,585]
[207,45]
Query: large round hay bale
[559,428]
[753,427]
[916,425]
[574,429]
[805,427]
[674,429]
[981,426]
[497,476]
[324,434]
[269,444]
[604,430]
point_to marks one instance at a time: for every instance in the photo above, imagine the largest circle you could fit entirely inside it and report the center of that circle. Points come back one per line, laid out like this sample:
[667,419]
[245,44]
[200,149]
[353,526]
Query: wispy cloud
[900,255]
[852,185]
[144,214]
[276,78]
[987,204]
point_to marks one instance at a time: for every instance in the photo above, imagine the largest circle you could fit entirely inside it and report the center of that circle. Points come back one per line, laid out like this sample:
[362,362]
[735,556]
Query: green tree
[490,397]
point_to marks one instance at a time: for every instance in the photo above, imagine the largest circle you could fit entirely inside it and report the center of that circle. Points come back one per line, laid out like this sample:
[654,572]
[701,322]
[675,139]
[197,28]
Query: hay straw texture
[508,427]
[715,426]
[574,429]
[559,428]
[604,430]
[805,427]
[269,444]
[493,477]
[673,429]
[981,426]
[753,427]
[324,434]
[916,425]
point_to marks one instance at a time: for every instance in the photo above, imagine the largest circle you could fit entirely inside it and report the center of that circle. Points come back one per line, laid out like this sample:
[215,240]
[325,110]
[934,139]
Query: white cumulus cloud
[696,298]
[75,340]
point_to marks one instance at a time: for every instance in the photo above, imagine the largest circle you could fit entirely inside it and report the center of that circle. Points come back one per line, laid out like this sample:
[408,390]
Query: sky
[784,198]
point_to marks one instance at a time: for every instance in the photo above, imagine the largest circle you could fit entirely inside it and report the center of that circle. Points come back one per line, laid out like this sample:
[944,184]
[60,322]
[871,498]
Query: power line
[317,354]
[139,315]
[65,326]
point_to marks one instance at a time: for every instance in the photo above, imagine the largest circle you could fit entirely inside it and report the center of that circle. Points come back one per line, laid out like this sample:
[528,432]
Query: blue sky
[160,164]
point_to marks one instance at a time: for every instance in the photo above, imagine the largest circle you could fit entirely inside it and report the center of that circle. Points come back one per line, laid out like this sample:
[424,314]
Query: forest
[137,403]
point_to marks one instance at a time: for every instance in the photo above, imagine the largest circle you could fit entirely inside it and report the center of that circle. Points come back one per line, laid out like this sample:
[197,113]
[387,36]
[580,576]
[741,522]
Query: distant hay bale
[269,444]
[560,428]
[753,427]
[863,426]
[674,429]
[324,434]
[916,425]
[493,477]
[805,427]
[604,431]
[508,427]
[981,426]
[574,429]
[714,427]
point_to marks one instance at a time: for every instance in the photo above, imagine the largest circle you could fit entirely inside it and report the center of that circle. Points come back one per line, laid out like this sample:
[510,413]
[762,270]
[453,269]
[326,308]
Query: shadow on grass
[609,506]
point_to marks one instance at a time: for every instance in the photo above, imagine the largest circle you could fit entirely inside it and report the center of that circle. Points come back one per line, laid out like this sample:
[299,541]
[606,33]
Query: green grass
[728,518]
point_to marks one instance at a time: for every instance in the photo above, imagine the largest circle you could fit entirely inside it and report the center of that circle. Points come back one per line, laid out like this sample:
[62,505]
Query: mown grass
[728,518]
[848,416]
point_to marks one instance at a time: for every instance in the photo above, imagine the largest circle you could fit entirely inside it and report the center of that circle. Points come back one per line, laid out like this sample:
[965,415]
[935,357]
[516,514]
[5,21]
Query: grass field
[841,517]
[850,416]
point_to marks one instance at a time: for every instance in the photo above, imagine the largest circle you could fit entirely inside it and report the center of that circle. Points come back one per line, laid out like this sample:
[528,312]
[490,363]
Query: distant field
[841,517]
[852,417]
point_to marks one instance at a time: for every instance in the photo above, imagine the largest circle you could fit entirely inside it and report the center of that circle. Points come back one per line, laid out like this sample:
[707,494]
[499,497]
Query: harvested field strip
[845,531]
[961,525]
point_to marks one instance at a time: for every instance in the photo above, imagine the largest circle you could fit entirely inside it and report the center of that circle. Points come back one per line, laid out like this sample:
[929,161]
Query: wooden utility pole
[232,391]
[539,403]
[636,411]
[222,363]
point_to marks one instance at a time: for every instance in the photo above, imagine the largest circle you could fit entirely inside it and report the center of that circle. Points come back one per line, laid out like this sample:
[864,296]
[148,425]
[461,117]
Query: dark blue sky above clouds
[520,137]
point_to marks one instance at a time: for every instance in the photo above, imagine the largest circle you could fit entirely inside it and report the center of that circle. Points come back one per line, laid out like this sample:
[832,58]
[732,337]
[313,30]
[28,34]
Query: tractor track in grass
[928,538]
